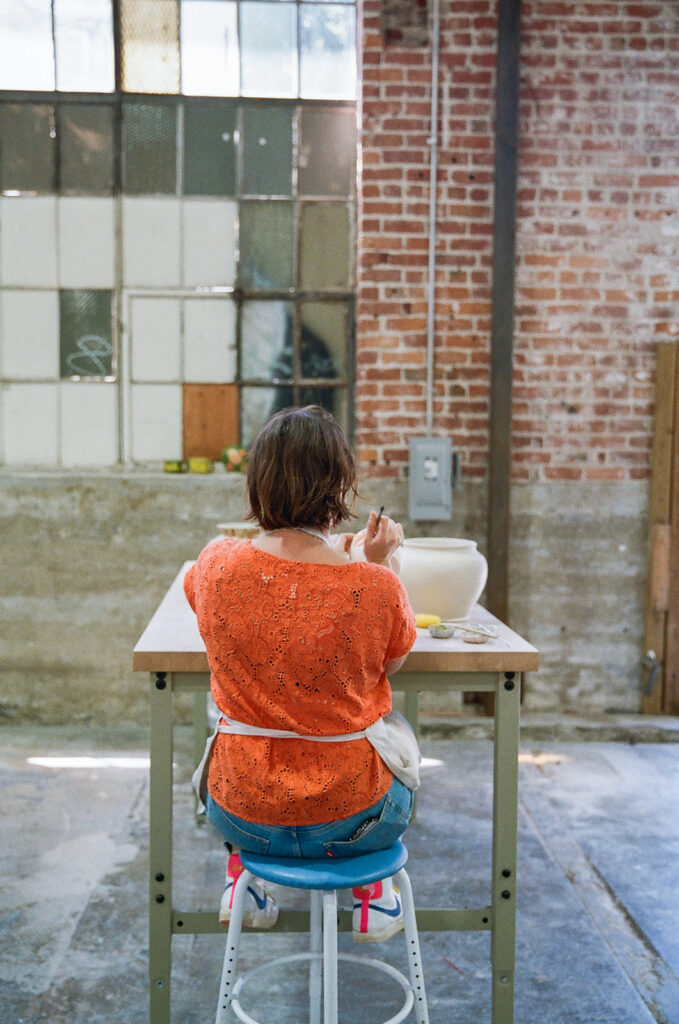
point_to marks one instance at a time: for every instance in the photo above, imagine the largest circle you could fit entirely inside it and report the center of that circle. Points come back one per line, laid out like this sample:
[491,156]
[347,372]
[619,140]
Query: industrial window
[196,238]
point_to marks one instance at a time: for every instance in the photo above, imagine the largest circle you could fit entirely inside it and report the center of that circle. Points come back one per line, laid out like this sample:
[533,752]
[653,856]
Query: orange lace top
[298,646]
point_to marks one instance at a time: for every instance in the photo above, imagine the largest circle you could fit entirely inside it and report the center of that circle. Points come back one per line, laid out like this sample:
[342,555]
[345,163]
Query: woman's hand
[381,539]
[342,542]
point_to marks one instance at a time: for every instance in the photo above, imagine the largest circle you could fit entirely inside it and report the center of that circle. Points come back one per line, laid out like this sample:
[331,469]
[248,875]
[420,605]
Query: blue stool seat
[342,873]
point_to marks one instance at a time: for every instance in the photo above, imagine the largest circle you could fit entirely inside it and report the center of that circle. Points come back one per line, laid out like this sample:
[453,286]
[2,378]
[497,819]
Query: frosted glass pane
[30,428]
[209,341]
[156,422]
[86,242]
[29,326]
[155,339]
[209,48]
[323,349]
[266,245]
[268,49]
[209,242]
[89,425]
[26,48]
[150,45]
[25,219]
[151,243]
[327,51]
[266,340]
[325,260]
[83,32]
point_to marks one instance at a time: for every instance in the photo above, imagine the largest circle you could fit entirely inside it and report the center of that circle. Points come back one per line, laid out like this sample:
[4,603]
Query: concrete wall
[87,557]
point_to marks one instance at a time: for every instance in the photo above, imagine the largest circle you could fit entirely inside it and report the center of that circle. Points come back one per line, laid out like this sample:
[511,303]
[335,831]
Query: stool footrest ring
[352,957]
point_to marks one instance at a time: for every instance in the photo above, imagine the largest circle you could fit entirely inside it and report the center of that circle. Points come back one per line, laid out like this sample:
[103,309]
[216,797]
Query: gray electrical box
[430,476]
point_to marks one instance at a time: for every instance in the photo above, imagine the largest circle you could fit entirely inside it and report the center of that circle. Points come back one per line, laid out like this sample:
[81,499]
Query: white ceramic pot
[443,575]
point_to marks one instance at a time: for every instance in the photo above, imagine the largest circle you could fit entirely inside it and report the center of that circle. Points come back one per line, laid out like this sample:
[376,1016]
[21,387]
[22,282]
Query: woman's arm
[393,666]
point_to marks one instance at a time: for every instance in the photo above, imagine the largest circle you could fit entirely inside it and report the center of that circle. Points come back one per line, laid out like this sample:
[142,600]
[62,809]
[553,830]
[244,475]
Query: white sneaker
[378,912]
[260,908]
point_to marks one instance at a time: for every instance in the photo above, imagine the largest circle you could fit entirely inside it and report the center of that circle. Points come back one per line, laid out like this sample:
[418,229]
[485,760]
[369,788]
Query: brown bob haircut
[301,471]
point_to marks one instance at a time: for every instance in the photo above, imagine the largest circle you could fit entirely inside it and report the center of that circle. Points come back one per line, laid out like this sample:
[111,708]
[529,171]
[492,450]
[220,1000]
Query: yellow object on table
[201,464]
[422,620]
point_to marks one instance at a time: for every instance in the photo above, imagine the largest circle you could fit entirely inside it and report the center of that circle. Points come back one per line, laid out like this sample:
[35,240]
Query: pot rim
[448,543]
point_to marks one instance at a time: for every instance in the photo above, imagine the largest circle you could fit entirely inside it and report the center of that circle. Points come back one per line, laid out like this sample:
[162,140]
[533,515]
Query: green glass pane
[26,147]
[268,40]
[267,151]
[327,152]
[325,259]
[323,343]
[85,137]
[85,333]
[209,149]
[266,245]
[266,340]
[149,148]
[327,44]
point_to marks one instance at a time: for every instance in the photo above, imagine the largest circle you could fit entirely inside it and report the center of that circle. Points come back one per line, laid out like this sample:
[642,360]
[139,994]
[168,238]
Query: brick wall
[597,236]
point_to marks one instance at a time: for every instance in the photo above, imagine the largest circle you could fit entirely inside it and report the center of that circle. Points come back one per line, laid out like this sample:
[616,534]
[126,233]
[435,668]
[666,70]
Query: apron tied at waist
[391,736]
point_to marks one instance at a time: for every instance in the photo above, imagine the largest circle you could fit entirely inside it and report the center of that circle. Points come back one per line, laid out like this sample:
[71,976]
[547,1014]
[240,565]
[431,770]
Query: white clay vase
[443,575]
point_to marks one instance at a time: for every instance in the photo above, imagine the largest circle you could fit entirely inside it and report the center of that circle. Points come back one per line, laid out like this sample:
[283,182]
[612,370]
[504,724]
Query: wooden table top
[171,643]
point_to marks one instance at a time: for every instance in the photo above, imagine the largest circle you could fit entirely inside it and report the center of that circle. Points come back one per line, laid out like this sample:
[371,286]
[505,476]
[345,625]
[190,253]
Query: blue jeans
[375,828]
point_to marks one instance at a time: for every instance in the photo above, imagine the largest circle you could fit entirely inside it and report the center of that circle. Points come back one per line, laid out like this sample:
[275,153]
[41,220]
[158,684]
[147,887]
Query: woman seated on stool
[300,641]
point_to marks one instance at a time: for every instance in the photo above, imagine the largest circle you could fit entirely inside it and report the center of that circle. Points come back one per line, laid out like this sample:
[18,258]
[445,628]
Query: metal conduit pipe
[433,175]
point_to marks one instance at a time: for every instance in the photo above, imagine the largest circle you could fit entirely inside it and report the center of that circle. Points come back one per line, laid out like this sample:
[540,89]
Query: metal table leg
[505,796]
[160,849]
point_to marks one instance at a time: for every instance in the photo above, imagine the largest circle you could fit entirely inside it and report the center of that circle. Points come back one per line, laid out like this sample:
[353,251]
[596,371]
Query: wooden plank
[502,327]
[670,702]
[659,516]
[210,418]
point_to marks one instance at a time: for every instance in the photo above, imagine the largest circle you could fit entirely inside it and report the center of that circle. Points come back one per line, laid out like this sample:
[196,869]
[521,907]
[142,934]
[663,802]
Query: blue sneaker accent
[394,912]
[259,900]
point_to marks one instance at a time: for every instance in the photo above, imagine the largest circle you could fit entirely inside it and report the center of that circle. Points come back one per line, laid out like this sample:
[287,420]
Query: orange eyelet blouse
[297,646]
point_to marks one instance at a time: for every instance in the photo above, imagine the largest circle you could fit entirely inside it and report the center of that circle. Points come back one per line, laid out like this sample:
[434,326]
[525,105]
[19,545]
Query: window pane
[149,148]
[209,48]
[325,260]
[150,45]
[327,51]
[83,34]
[257,405]
[267,151]
[209,149]
[26,48]
[266,245]
[268,36]
[26,147]
[324,339]
[327,152]
[266,340]
[332,399]
[86,148]
[86,337]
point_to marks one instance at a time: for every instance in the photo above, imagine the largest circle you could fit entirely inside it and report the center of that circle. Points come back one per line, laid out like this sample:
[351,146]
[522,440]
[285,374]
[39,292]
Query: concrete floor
[598,941]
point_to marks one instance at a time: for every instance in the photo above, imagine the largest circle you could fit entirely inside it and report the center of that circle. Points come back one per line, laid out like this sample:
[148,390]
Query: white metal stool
[324,878]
